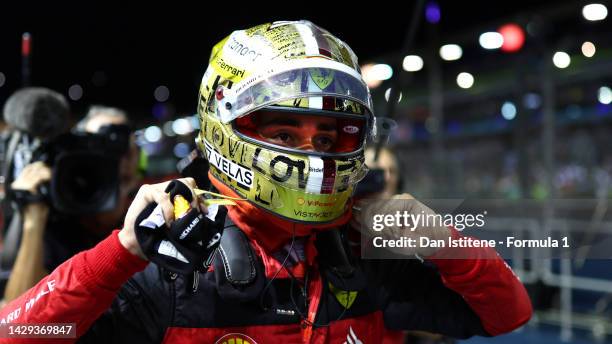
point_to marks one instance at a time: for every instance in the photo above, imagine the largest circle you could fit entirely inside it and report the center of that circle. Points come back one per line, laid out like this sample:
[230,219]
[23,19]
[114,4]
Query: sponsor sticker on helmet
[231,169]
[350,129]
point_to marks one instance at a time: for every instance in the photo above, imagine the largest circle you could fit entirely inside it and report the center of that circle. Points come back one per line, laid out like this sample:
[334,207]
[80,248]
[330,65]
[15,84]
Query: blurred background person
[385,181]
[385,165]
[98,119]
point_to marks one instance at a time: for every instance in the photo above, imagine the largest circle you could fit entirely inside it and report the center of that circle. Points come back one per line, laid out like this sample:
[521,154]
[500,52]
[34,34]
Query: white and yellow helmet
[296,68]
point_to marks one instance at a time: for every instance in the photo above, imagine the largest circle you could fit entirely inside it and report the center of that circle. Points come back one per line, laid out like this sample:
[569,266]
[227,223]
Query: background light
[167,129]
[153,134]
[451,52]
[181,150]
[465,80]
[561,59]
[432,12]
[182,126]
[513,37]
[594,12]
[2,79]
[604,95]
[491,40]
[161,93]
[388,94]
[412,63]
[431,124]
[375,74]
[195,122]
[588,49]
[508,110]
[382,71]
[532,101]
[75,92]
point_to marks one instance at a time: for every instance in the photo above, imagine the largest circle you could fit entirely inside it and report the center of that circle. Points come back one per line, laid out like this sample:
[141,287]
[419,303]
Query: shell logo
[350,129]
[235,338]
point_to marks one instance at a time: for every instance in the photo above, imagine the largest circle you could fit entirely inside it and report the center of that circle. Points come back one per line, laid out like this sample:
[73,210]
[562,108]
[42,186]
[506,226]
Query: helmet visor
[311,85]
[304,131]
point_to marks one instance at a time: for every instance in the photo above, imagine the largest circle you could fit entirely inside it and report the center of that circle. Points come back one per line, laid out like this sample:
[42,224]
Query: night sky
[120,53]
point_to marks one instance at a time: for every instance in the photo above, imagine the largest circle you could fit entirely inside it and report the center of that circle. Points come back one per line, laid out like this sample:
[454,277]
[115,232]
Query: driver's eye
[283,137]
[324,143]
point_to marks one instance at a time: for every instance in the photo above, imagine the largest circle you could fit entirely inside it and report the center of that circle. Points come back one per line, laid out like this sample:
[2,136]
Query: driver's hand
[364,211]
[146,195]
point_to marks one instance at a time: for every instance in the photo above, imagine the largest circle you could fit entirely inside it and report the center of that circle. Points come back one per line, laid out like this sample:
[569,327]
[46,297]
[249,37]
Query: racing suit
[250,295]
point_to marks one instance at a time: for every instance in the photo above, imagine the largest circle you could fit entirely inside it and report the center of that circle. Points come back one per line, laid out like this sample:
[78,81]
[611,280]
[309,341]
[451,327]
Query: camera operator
[97,119]
[50,233]
[34,116]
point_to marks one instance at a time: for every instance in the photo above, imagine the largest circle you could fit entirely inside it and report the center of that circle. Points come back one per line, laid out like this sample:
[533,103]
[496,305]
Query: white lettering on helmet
[231,169]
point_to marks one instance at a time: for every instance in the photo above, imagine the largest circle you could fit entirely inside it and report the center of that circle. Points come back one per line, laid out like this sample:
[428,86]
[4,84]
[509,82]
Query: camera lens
[85,182]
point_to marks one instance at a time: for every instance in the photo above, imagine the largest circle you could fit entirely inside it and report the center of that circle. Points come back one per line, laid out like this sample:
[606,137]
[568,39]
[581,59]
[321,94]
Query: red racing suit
[113,297]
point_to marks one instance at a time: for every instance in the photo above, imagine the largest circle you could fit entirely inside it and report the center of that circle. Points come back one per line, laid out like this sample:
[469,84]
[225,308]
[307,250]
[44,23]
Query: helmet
[285,70]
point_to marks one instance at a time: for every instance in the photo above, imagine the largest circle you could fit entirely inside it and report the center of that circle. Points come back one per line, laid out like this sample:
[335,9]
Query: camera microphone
[38,112]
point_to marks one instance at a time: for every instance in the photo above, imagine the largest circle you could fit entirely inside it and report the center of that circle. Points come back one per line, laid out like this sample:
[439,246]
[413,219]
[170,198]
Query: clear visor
[305,132]
[313,84]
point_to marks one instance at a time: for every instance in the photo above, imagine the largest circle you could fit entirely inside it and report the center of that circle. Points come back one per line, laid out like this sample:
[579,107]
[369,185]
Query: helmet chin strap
[221,200]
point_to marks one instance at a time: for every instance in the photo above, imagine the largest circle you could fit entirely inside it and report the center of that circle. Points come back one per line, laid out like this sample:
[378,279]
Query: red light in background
[514,37]
[26,44]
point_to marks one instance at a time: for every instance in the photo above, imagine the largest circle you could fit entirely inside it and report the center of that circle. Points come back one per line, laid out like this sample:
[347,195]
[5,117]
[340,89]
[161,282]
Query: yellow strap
[219,201]
[222,200]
